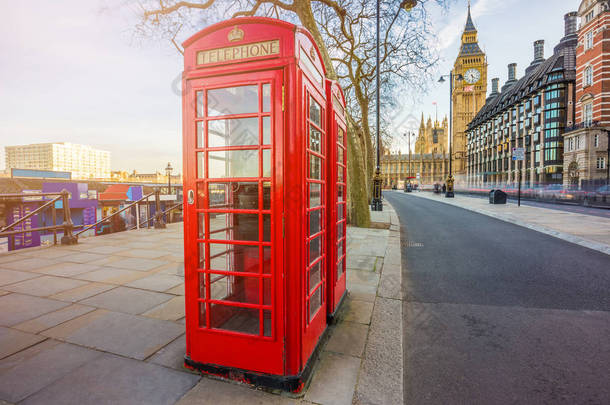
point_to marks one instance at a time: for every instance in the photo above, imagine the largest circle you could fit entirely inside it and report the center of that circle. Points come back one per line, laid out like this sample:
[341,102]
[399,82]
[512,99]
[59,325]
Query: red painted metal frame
[337,241]
[294,75]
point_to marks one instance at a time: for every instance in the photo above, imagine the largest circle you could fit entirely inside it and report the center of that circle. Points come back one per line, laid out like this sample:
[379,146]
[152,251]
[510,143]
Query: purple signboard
[27,239]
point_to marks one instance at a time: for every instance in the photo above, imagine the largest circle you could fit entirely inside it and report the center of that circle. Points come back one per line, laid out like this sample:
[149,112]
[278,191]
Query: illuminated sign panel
[239,52]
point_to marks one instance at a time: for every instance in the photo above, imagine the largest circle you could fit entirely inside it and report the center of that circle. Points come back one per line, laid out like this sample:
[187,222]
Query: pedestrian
[444,188]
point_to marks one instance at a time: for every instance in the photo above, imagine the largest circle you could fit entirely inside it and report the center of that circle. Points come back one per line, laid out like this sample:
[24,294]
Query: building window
[588,114]
[588,76]
[571,144]
[596,140]
[589,40]
[601,162]
[589,17]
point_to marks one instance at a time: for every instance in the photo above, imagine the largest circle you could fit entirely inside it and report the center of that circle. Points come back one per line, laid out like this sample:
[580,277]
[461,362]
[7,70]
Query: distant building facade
[432,137]
[533,113]
[468,93]
[83,161]
[586,143]
[156,178]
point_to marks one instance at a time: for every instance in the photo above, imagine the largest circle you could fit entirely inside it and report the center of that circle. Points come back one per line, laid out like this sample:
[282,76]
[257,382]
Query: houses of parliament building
[426,163]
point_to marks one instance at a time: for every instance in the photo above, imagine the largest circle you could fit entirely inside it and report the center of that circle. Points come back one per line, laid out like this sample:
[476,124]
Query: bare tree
[344,30]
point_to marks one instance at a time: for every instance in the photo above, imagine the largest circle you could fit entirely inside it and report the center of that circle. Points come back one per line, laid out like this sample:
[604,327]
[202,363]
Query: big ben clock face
[472,76]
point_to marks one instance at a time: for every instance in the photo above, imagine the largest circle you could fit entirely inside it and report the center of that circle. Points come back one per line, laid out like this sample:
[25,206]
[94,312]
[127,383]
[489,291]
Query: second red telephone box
[256,180]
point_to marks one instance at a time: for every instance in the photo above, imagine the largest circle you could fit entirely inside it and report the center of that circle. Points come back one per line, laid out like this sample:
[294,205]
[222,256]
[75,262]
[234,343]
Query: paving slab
[118,333]
[129,300]
[360,262]
[83,257]
[44,286]
[362,292]
[80,293]
[138,264]
[107,250]
[363,277]
[171,310]
[31,370]
[157,282]
[334,380]
[11,257]
[178,290]
[67,269]
[348,338]
[209,391]
[49,252]
[144,253]
[54,318]
[111,275]
[13,341]
[25,263]
[14,276]
[125,381]
[358,311]
[18,308]
[171,355]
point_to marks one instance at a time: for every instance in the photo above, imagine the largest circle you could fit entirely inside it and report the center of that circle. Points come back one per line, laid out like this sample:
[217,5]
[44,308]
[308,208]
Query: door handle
[191,197]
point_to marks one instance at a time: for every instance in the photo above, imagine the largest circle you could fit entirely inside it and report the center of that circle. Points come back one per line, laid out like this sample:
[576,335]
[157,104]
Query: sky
[71,71]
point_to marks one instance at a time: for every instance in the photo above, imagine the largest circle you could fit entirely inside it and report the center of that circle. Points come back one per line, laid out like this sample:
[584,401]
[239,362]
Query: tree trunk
[358,213]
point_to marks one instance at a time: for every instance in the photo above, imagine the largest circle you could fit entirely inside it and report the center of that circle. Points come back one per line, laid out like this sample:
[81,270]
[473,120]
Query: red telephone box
[255,130]
[336,192]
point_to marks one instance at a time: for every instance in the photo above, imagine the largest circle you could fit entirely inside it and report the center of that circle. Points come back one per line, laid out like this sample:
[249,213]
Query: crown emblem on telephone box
[236,34]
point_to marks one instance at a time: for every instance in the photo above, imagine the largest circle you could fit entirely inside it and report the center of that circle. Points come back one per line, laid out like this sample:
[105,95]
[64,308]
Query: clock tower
[469,93]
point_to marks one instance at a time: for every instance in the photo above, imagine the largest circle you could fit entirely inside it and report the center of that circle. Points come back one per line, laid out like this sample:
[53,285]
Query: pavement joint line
[587,243]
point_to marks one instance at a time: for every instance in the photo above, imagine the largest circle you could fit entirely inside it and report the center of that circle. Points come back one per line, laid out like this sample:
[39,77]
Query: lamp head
[441,80]
[459,77]
[407,5]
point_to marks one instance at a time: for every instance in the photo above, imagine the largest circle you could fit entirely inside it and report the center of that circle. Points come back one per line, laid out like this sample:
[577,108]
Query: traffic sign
[518,153]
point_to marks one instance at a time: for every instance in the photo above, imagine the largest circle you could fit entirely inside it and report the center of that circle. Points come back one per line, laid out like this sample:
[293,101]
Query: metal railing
[67,226]
[69,237]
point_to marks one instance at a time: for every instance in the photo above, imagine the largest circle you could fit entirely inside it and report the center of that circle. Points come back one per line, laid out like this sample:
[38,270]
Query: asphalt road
[499,314]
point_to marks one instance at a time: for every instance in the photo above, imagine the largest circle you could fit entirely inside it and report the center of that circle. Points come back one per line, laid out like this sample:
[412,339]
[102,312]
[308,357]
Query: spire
[469,24]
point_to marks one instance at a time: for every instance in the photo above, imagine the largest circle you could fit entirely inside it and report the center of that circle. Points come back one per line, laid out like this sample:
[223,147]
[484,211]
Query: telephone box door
[233,234]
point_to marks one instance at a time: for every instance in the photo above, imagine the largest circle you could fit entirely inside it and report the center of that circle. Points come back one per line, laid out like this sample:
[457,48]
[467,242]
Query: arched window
[588,76]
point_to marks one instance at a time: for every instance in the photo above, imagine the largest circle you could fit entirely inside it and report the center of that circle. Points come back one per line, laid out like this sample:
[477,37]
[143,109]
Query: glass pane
[199,103]
[315,276]
[315,139]
[201,195]
[244,320]
[201,285]
[201,220]
[234,288]
[340,136]
[235,132]
[232,226]
[201,258]
[266,228]
[234,195]
[266,260]
[266,195]
[315,248]
[340,229]
[266,291]
[237,258]
[202,320]
[267,323]
[340,249]
[339,193]
[339,154]
[315,112]
[266,162]
[200,134]
[315,167]
[233,100]
[315,302]
[266,97]
[315,221]
[315,195]
[200,165]
[266,130]
[340,212]
[340,170]
[234,163]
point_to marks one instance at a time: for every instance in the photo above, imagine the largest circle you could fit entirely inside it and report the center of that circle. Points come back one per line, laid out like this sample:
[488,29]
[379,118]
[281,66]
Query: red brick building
[586,143]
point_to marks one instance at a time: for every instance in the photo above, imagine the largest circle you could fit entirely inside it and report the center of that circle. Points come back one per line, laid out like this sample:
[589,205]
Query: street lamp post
[377,203]
[168,172]
[449,193]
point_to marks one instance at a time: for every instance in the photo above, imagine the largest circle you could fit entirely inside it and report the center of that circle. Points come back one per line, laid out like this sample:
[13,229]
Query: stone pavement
[103,322]
[589,231]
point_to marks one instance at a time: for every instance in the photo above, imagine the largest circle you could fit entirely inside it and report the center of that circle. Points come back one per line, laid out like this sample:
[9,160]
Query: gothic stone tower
[432,136]
[469,93]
